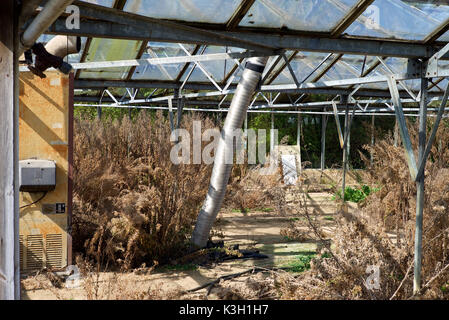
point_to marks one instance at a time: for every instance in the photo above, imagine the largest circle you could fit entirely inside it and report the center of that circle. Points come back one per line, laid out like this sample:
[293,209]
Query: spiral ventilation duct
[62,46]
[221,171]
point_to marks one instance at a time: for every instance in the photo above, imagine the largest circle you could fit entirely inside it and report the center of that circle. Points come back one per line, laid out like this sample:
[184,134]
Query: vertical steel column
[323,139]
[420,187]
[348,145]
[272,134]
[396,133]
[9,233]
[99,110]
[298,142]
[16,159]
[345,149]
[371,160]
[170,108]
[422,163]
[180,108]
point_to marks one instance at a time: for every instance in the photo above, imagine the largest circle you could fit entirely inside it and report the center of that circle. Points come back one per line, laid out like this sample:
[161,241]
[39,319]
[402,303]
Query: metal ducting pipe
[51,11]
[52,55]
[220,174]
[62,46]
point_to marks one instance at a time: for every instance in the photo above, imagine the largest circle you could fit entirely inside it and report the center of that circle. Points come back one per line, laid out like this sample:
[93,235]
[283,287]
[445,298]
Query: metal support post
[345,153]
[323,139]
[410,156]
[272,135]
[298,141]
[396,133]
[420,188]
[9,133]
[372,140]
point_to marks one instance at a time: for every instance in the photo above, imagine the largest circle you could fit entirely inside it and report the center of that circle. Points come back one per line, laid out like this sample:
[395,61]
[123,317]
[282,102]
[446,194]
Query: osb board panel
[43,134]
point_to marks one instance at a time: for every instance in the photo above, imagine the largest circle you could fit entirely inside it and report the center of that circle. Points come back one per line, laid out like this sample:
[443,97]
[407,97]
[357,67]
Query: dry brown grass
[120,285]
[134,210]
[382,234]
[131,203]
[249,189]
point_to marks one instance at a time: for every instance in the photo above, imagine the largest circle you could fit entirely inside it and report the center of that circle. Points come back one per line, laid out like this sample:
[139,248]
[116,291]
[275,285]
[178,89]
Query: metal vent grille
[53,249]
[22,250]
[35,252]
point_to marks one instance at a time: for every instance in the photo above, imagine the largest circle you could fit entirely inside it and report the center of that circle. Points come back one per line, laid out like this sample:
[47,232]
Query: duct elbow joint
[53,53]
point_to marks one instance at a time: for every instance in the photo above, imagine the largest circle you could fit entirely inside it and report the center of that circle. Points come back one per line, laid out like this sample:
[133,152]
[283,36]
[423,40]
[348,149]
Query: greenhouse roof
[308,41]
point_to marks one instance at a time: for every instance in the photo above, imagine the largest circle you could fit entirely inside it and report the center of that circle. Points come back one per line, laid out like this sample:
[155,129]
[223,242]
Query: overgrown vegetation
[301,262]
[248,189]
[382,234]
[133,206]
[355,194]
[311,126]
[131,203]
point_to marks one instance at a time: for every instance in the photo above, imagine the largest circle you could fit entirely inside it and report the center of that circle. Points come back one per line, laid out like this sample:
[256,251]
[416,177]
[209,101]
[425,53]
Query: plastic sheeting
[110,50]
[308,15]
[212,11]
[401,19]
[161,72]
[396,19]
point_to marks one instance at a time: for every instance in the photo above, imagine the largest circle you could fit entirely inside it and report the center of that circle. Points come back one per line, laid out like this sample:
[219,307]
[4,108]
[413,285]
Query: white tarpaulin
[289,169]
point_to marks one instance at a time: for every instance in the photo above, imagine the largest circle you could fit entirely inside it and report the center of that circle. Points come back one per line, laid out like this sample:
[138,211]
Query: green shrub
[355,194]
[301,262]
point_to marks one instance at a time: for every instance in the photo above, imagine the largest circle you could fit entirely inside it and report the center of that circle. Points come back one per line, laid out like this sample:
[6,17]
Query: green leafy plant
[301,262]
[355,194]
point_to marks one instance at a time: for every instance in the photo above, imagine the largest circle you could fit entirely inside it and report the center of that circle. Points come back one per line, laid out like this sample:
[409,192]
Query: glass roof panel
[414,85]
[238,73]
[217,69]
[161,72]
[71,58]
[444,37]
[395,65]
[399,65]
[213,11]
[285,76]
[310,15]
[110,50]
[342,70]
[104,3]
[439,86]
[350,66]
[196,76]
[400,19]
[305,62]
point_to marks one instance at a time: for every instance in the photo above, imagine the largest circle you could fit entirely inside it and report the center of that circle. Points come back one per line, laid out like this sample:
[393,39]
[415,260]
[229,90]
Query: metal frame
[103,22]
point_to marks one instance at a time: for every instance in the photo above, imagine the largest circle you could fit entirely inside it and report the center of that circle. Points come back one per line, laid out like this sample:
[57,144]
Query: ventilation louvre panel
[22,251]
[34,252]
[53,249]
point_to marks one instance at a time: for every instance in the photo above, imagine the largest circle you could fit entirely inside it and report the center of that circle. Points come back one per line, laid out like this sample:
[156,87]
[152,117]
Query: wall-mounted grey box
[37,175]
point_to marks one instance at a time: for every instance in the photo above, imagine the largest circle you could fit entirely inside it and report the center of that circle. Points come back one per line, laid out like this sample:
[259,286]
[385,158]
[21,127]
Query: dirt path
[255,229]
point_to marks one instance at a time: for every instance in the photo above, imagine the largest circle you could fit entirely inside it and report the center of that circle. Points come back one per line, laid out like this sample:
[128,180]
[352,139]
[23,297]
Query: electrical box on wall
[45,156]
[37,175]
